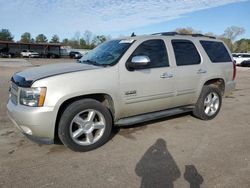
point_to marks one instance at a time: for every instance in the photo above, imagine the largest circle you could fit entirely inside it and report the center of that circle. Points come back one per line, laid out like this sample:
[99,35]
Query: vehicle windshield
[108,53]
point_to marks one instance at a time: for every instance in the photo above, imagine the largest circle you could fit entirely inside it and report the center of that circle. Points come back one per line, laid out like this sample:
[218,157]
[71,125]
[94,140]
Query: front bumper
[37,123]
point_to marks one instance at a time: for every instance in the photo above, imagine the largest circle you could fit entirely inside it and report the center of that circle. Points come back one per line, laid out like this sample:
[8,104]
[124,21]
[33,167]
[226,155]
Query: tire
[80,120]
[205,108]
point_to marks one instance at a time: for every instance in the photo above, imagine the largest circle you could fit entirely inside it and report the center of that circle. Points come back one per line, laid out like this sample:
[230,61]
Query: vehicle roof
[172,35]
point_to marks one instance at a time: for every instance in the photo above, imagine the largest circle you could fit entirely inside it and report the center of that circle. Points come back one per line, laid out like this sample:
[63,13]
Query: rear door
[189,70]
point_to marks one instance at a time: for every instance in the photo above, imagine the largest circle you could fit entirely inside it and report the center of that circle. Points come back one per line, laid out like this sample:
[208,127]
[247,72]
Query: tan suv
[121,82]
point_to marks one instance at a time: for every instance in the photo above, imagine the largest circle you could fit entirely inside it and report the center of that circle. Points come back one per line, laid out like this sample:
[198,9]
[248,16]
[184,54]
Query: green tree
[65,41]
[5,35]
[26,37]
[99,39]
[32,40]
[242,45]
[55,39]
[83,43]
[41,38]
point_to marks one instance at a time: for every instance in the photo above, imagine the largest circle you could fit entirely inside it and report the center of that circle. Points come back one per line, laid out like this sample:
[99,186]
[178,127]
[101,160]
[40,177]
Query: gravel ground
[180,151]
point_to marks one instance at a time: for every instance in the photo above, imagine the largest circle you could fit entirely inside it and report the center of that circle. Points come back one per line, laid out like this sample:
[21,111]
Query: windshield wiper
[91,62]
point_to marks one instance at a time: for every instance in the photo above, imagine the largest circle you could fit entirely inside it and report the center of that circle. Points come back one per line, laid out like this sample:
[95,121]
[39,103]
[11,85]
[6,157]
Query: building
[41,48]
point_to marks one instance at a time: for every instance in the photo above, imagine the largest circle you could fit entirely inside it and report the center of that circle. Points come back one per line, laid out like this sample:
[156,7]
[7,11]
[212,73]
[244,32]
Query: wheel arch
[104,98]
[218,82]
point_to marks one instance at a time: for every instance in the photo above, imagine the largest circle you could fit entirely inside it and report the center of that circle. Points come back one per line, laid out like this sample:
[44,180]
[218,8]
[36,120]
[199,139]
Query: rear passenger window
[185,53]
[155,50]
[216,51]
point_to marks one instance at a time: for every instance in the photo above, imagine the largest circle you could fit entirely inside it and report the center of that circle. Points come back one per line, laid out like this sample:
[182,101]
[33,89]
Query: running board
[152,116]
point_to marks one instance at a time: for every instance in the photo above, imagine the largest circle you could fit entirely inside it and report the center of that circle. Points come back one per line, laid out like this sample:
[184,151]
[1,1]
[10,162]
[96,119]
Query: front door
[150,88]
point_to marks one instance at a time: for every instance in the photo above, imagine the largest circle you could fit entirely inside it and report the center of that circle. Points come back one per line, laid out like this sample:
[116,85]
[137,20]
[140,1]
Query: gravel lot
[175,152]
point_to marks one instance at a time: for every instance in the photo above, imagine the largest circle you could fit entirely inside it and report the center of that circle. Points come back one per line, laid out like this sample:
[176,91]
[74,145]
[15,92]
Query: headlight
[32,96]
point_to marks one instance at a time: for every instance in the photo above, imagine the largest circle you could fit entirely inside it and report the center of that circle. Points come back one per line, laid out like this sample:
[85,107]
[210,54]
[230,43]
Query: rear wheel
[85,125]
[209,103]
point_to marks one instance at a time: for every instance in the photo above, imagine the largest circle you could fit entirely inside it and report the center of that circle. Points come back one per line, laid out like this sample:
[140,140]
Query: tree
[32,40]
[83,43]
[65,41]
[41,38]
[88,36]
[187,30]
[242,45]
[55,39]
[77,36]
[230,34]
[5,35]
[99,39]
[26,37]
[228,42]
[233,32]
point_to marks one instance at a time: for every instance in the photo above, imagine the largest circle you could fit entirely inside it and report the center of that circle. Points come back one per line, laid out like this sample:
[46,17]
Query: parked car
[29,53]
[121,82]
[245,63]
[7,55]
[78,56]
[52,55]
[240,57]
[75,55]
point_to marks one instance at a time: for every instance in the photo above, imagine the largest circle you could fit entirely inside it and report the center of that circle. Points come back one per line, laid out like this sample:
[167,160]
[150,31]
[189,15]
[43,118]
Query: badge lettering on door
[130,93]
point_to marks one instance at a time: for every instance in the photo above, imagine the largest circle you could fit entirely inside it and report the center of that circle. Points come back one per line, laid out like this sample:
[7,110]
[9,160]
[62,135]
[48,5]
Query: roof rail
[176,33]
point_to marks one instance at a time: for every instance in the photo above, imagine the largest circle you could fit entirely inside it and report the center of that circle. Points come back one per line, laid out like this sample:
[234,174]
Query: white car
[240,57]
[29,53]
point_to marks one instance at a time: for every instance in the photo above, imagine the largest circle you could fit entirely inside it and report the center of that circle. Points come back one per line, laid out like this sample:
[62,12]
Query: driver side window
[156,51]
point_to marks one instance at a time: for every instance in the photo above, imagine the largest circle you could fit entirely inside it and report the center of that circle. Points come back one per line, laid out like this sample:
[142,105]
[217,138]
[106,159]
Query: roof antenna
[133,34]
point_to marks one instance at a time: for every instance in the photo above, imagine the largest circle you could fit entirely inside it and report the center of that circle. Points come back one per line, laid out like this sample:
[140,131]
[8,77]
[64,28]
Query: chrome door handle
[166,75]
[201,71]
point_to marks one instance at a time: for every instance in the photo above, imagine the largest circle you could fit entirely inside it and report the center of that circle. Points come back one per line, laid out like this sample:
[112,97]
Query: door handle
[201,71]
[166,75]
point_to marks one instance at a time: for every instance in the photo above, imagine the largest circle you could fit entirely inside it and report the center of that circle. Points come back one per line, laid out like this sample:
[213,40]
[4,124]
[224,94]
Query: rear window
[185,53]
[216,51]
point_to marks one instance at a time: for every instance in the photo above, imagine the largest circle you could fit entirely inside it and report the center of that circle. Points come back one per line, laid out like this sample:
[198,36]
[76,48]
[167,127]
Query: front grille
[14,93]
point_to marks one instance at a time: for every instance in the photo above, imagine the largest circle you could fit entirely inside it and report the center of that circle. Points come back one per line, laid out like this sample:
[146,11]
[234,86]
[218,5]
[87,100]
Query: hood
[27,77]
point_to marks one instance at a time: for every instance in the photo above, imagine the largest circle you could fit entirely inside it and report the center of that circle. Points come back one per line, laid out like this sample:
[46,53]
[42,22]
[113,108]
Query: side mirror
[138,62]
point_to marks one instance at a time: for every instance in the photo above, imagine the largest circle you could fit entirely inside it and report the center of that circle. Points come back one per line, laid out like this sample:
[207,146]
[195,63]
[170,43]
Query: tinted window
[185,53]
[216,51]
[245,55]
[155,50]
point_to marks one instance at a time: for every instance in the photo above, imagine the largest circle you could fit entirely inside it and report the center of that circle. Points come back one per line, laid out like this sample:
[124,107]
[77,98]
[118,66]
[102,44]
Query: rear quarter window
[216,51]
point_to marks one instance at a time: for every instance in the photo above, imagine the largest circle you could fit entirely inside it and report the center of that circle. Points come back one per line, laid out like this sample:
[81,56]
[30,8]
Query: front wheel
[85,125]
[209,103]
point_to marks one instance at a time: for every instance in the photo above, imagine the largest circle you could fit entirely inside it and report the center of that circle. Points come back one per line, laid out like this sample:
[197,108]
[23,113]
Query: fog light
[26,130]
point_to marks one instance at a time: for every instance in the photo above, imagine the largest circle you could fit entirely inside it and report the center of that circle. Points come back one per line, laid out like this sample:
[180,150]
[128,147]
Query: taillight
[234,70]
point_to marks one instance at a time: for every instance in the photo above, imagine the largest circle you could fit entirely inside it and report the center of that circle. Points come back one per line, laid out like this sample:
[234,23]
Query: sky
[121,17]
